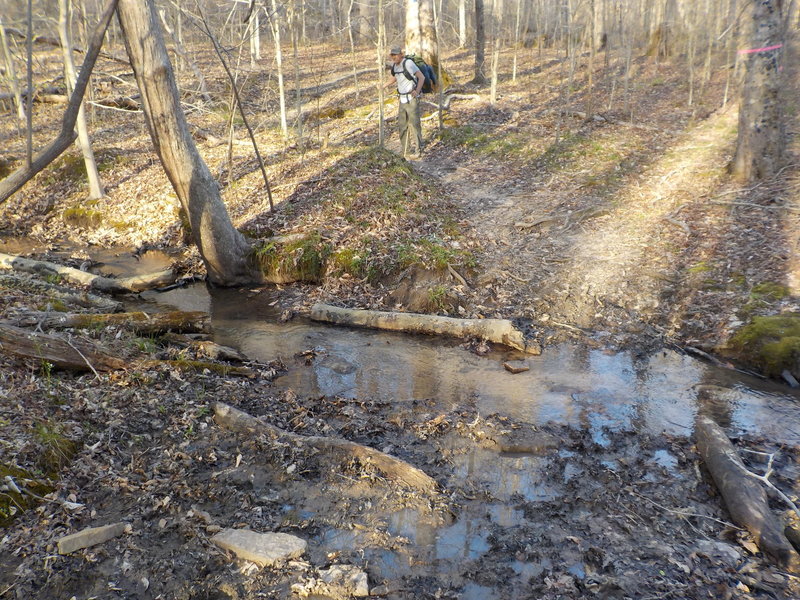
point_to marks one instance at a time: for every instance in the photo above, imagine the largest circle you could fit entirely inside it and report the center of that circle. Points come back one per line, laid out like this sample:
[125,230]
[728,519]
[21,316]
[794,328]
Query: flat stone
[89,537]
[263,549]
[347,577]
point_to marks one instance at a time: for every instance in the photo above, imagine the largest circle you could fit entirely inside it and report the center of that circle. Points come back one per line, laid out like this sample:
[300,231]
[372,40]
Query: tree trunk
[20,177]
[420,31]
[65,33]
[223,249]
[11,74]
[275,24]
[480,43]
[761,139]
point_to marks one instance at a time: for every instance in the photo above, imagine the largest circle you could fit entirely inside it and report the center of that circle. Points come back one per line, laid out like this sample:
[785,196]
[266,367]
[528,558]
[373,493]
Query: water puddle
[594,391]
[119,261]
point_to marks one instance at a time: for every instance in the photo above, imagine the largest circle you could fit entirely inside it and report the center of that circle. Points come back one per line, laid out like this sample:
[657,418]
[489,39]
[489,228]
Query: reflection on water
[118,261]
[596,390]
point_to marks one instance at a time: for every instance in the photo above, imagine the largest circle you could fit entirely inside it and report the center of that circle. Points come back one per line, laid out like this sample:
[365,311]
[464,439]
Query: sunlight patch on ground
[609,253]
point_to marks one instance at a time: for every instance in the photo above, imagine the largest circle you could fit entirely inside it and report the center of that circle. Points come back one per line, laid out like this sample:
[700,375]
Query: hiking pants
[408,117]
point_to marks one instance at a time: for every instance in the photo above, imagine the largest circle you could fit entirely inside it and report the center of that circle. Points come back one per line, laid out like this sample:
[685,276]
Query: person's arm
[420,82]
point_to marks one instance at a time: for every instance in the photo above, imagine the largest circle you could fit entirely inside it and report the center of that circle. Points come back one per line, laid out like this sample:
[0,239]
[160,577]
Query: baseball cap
[396,50]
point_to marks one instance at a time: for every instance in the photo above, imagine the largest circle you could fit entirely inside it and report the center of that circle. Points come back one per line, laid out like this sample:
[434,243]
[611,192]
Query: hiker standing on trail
[409,80]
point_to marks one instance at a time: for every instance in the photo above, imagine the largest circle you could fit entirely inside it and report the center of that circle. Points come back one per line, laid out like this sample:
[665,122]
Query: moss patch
[771,343]
[304,259]
[12,502]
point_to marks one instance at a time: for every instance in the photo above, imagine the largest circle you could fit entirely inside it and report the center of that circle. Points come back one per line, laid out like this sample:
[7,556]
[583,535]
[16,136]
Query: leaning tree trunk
[761,139]
[223,249]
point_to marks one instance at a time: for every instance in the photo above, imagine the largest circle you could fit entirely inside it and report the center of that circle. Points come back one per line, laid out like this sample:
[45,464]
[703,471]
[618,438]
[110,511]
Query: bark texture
[744,497]
[223,248]
[762,135]
[498,331]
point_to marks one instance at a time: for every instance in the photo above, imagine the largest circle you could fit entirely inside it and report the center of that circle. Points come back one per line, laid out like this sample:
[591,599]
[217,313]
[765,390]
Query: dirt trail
[584,250]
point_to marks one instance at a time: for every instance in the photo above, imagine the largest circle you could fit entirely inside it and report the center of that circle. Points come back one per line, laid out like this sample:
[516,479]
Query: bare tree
[480,43]
[223,249]
[761,138]
[11,74]
[65,33]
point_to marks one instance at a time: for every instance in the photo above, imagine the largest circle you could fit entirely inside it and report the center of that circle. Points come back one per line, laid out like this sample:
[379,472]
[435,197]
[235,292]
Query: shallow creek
[596,391]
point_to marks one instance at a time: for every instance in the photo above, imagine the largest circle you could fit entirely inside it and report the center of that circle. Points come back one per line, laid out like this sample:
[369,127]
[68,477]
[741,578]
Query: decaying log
[198,366]
[125,285]
[26,283]
[745,498]
[345,450]
[205,348]
[139,322]
[498,331]
[73,355]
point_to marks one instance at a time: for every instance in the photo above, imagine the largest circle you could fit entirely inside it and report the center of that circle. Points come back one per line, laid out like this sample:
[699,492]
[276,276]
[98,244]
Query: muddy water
[595,391]
[119,261]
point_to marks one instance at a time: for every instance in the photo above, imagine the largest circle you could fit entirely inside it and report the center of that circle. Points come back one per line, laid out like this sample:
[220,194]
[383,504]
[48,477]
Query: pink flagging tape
[754,50]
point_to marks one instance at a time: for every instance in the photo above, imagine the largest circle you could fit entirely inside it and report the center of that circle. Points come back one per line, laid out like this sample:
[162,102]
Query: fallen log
[498,331]
[345,450]
[73,355]
[137,283]
[198,366]
[205,348]
[745,498]
[25,283]
[139,322]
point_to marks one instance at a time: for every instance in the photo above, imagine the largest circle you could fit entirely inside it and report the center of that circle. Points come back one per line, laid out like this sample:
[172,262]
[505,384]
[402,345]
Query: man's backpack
[427,71]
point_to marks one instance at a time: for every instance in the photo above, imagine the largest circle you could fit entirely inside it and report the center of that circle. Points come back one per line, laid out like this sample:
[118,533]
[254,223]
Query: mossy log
[205,348]
[198,366]
[744,497]
[73,355]
[498,331]
[137,283]
[393,468]
[139,322]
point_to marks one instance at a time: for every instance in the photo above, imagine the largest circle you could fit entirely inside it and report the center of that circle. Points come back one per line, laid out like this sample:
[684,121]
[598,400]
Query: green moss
[771,343]
[83,215]
[56,449]
[300,260]
[13,503]
[770,289]
[700,267]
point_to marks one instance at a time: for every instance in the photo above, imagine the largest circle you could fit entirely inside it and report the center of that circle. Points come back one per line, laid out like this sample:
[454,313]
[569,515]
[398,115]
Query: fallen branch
[498,331]
[393,468]
[745,499]
[72,355]
[139,322]
[137,283]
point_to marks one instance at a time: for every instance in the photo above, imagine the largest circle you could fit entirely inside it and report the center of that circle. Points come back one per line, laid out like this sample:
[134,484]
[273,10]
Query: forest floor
[607,217]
